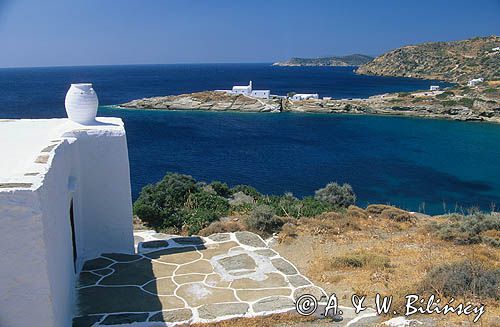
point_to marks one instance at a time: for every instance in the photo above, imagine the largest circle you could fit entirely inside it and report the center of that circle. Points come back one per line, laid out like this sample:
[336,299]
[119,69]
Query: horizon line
[150,64]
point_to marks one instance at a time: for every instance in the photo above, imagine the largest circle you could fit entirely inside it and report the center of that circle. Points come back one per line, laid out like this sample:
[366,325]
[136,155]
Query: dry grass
[356,212]
[281,320]
[222,227]
[381,255]
[359,259]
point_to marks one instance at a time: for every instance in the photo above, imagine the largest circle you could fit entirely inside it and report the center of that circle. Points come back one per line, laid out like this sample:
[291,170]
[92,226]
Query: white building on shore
[65,197]
[248,91]
[305,96]
[475,81]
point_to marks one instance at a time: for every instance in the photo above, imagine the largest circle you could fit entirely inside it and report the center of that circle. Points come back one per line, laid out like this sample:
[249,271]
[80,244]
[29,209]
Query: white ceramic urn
[81,103]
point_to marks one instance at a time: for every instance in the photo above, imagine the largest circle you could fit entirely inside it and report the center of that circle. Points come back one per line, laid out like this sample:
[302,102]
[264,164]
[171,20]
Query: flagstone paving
[175,279]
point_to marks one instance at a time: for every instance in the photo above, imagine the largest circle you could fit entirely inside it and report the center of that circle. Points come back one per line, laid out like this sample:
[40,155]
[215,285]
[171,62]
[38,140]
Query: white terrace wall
[25,298]
[37,274]
[103,206]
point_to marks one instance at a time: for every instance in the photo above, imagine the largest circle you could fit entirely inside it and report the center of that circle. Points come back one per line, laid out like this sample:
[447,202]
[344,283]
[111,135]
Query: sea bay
[418,164]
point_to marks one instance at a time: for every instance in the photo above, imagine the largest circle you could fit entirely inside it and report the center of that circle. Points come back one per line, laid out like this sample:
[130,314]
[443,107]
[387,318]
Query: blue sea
[432,166]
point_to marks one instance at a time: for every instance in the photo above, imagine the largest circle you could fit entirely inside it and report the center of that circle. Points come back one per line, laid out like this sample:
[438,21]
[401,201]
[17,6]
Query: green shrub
[311,207]
[181,203]
[283,205]
[243,208]
[290,206]
[445,94]
[177,201]
[221,189]
[337,195]
[463,279]
[466,102]
[470,229]
[263,219]
[449,103]
[158,204]
[209,202]
[197,219]
[248,190]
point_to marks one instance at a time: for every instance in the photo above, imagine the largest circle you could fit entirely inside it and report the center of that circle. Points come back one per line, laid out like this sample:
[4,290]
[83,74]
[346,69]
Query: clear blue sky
[90,32]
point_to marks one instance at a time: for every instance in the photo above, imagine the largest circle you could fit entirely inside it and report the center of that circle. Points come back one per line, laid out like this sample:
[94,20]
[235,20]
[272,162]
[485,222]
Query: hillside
[457,61]
[351,60]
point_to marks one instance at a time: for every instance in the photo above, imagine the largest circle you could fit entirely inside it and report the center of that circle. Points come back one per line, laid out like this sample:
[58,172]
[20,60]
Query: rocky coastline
[481,103]
[208,100]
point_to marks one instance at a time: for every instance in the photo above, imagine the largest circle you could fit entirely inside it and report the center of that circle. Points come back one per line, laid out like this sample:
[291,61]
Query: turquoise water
[403,161]
[418,164]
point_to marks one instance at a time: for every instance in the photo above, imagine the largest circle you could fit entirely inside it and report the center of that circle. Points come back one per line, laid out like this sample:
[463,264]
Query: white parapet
[64,197]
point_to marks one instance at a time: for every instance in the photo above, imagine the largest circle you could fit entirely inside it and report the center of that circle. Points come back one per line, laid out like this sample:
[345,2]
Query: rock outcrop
[457,61]
[209,100]
[466,104]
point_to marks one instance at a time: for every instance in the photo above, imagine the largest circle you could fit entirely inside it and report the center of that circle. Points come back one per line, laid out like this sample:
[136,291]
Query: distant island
[457,61]
[350,60]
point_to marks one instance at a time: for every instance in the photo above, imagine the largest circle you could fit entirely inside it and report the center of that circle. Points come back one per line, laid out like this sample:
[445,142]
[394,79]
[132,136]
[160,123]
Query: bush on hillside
[221,189]
[461,279]
[356,212]
[398,215]
[337,195]
[449,103]
[263,219]
[181,203]
[159,204]
[445,94]
[222,227]
[248,190]
[178,201]
[361,260]
[289,206]
[475,228]
[310,207]
[375,210]
[216,204]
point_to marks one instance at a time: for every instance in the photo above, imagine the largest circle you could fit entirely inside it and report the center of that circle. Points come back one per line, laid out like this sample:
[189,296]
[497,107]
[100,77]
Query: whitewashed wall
[37,276]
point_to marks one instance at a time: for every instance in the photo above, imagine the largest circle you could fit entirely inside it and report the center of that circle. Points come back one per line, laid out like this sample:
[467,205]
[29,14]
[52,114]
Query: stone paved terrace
[174,280]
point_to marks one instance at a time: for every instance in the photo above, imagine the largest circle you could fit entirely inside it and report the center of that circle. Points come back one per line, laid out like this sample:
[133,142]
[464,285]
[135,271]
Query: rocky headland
[457,61]
[480,103]
[208,100]
[350,60]
[459,103]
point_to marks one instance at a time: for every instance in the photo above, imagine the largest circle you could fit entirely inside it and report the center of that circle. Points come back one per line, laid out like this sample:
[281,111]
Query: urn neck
[84,87]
